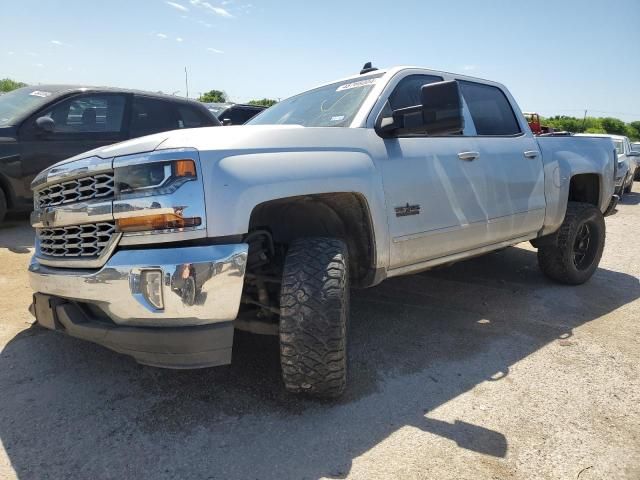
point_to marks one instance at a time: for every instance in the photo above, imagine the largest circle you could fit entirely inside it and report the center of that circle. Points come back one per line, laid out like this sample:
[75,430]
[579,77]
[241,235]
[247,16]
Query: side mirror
[46,124]
[442,108]
[440,113]
[226,121]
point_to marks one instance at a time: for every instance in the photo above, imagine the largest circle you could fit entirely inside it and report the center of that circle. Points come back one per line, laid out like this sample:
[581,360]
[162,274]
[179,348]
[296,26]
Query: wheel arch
[344,215]
[585,188]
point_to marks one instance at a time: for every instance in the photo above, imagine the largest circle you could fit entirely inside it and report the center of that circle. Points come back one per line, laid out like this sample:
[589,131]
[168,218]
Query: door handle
[468,156]
[531,154]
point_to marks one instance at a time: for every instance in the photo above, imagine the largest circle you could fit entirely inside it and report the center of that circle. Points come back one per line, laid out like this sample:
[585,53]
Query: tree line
[609,125]
[218,96]
[6,85]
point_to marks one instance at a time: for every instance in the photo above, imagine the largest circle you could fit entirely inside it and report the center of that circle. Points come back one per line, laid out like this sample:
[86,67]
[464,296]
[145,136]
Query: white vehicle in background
[635,146]
[267,225]
[628,161]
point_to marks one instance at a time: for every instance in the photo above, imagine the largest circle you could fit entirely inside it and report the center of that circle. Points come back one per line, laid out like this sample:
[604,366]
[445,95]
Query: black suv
[234,113]
[44,124]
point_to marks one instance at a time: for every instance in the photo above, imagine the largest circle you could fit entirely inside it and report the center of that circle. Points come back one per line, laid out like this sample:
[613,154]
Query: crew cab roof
[393,70]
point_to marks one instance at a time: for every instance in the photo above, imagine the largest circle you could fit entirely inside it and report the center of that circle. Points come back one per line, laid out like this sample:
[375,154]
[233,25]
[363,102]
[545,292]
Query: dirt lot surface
[485,370]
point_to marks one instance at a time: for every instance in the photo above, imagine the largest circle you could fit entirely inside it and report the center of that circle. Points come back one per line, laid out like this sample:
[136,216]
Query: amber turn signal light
[184,168]
[166,221]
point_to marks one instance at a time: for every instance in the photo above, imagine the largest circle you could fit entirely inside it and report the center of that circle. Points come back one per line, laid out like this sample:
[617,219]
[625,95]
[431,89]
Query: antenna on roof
[367,68]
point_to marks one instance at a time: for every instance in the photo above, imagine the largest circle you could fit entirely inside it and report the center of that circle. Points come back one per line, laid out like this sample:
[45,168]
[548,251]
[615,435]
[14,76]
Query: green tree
[6,85]
[265,102]
[633,129]
[563,122]
[594,125]
[613,125]
[213,96]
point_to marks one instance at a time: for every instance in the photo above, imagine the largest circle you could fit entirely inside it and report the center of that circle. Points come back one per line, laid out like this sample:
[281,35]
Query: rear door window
[490,110]
[189,117]
[150,115]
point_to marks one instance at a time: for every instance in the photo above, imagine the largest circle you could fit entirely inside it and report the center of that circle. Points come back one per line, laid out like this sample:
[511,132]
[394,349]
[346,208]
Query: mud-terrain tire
[574,255]
[314,305]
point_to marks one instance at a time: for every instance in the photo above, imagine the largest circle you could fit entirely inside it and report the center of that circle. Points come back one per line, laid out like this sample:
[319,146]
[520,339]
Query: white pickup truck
[159,247]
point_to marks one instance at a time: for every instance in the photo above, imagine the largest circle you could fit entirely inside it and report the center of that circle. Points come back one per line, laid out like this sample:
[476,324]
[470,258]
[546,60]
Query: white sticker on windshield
[40,93]
[337,118]
[358,84]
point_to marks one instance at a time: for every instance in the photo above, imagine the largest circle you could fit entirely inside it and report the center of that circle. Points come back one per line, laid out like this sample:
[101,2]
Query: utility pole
[186,81]
[584,120]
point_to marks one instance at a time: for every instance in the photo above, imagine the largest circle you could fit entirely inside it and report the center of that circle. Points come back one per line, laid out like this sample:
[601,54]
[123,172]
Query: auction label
[358,84]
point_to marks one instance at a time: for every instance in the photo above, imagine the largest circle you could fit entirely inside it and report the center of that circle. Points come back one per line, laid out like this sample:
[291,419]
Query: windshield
[333,105]
[635,146]
[17,102]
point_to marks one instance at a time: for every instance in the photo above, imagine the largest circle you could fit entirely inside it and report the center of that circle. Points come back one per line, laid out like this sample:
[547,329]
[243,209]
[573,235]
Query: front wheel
[575,254]
[314,304]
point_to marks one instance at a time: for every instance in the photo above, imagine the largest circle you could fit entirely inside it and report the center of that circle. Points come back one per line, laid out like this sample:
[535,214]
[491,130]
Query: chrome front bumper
[217,271]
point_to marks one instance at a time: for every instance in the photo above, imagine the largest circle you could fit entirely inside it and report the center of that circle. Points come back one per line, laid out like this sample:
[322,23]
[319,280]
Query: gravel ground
[485,370]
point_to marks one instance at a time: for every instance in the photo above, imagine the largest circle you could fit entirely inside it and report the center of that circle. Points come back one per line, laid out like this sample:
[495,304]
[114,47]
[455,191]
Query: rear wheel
[577,248]
[314,303]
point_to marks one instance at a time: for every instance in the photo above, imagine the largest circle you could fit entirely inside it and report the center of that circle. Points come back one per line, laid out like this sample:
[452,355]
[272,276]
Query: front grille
[76,190]
[88,240]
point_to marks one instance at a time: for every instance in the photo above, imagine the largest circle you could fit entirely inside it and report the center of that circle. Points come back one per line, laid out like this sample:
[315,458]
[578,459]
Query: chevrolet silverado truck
[160,247]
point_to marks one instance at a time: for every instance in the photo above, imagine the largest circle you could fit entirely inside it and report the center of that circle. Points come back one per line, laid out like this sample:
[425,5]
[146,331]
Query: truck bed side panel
[565,157]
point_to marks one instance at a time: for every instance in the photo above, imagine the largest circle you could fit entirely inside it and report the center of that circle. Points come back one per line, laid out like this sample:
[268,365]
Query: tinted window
[239,115]
[88,113]
[490,110]
[150,115]
[408,92]
[190,117]
[249,113]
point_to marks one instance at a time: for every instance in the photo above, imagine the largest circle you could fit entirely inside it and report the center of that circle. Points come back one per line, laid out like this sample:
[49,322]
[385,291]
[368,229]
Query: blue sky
[556,57]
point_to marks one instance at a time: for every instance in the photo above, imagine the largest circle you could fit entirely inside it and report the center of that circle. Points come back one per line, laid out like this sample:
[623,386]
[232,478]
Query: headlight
[153,178]
[147,198]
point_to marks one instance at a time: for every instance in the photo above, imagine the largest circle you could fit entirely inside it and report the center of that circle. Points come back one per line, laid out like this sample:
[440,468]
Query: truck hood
[257,138]
[235,138]
[128,147]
